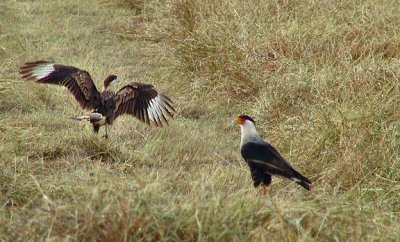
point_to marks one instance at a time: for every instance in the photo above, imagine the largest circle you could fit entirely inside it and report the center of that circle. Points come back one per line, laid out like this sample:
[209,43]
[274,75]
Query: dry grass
[320,77]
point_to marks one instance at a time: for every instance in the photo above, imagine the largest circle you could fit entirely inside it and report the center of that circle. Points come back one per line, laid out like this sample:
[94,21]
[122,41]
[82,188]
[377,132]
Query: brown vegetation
[321,78]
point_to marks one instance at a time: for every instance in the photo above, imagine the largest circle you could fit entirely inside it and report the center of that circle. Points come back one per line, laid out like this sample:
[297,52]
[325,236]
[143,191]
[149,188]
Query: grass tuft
[321,79]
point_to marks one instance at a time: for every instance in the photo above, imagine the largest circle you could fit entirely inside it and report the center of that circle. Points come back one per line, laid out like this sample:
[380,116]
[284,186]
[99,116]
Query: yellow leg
[261,190]
[265,189]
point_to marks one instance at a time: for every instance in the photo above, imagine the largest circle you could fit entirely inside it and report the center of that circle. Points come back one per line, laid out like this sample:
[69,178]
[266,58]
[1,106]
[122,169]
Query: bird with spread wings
[141,100]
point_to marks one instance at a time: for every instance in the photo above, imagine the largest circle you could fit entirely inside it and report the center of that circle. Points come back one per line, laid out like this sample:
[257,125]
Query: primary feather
[141,100]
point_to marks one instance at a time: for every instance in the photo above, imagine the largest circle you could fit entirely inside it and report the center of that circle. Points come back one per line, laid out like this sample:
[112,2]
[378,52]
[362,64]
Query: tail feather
[92,117]
[80,118]
[301,180]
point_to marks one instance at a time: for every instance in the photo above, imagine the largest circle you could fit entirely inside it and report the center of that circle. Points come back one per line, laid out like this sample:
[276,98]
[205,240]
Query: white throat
[249,133]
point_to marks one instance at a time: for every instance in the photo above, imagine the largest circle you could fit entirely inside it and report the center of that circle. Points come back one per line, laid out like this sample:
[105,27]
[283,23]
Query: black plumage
[263,159]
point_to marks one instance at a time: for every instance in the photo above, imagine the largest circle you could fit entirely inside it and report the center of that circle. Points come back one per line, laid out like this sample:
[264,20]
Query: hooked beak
[233,123]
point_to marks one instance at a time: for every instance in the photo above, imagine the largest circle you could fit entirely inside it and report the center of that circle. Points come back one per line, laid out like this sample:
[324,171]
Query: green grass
[321,78]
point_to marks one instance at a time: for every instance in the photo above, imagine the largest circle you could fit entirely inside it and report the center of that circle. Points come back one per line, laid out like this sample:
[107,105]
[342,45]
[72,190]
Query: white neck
[249,133]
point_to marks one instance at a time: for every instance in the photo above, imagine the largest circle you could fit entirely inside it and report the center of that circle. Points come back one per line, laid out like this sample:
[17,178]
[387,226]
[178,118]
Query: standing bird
[262,158]
[141,100]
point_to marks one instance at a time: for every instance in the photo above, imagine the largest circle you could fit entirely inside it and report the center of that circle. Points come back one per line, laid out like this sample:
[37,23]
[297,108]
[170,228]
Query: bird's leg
[106,127]
[264,189]
[260,190]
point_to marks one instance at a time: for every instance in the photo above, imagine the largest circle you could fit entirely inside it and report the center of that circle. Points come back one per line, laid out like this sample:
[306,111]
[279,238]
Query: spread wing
[78,82]
[145,103]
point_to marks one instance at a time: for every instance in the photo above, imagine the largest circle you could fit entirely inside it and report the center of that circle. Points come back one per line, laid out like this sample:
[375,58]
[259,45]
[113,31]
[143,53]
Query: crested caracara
[262,158]
[141,100]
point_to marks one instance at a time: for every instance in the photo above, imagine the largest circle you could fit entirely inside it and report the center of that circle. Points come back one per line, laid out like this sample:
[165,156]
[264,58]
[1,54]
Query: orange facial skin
[240,120]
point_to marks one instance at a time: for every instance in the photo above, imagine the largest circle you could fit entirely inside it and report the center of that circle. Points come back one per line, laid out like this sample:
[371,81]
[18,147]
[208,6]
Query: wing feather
[77,81]
[145,103]
[265,157]
[265,154]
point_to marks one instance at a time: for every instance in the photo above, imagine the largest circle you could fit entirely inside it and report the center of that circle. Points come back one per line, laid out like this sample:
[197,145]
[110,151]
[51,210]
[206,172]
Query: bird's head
[243,120]
[247,127]
[109,82]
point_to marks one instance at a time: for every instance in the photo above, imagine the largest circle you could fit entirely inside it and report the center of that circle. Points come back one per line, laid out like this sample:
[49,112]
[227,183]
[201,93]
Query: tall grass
[321,78]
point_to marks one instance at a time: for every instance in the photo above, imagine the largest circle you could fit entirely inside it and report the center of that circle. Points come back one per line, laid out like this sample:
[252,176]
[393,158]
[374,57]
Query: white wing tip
[42,70]
[158,111]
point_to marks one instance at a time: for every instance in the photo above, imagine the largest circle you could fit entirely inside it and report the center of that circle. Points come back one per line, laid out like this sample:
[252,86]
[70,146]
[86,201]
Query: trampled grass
[321,78]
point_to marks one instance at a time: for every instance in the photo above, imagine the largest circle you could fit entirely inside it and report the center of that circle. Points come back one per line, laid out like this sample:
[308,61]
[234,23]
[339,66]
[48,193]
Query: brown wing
[145,103]
[78,82]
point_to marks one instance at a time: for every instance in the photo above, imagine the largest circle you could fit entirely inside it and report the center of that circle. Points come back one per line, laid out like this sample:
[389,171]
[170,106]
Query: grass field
[321,78]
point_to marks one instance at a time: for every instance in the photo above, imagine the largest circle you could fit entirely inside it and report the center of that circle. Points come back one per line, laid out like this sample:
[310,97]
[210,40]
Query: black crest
[246,117]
